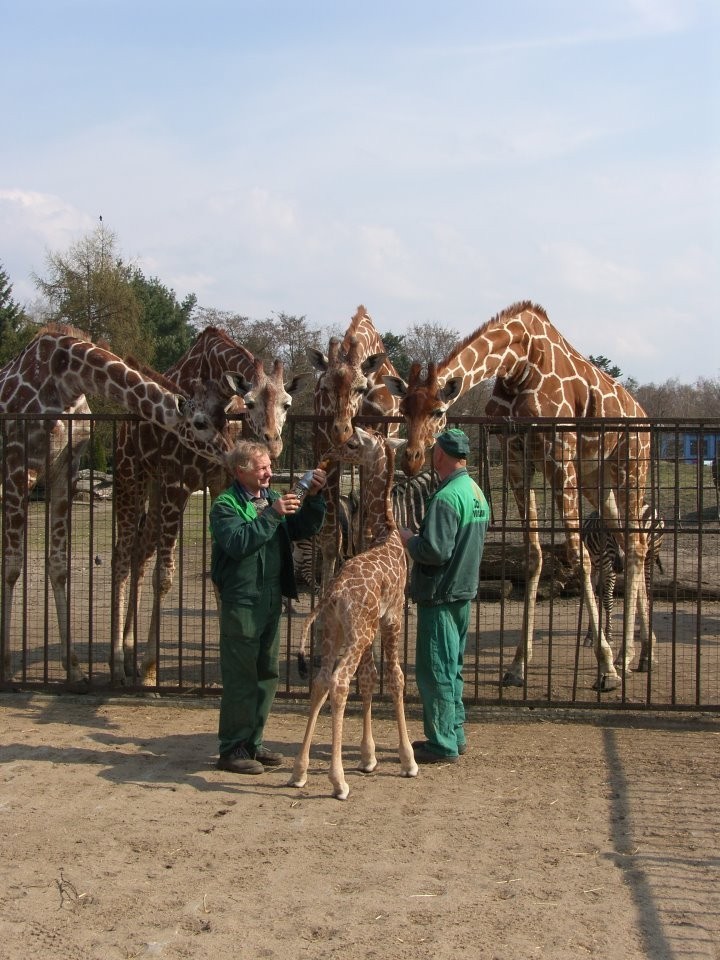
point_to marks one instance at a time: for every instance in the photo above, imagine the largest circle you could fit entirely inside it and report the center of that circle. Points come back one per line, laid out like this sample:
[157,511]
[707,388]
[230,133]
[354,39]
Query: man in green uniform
[252,568]
[446,552]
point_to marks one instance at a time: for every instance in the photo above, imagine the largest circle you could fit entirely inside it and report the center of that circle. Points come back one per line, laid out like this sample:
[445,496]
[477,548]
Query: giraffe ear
[372,364]
[296,383]
[396,386]
[451,390]
[181,404]
[238,384]
[317,359]
[396,442]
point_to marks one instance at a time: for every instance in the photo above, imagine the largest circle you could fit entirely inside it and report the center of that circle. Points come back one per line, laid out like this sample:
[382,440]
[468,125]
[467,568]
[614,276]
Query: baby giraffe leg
[338,698]
[302,760]
[367,677]
[396,684]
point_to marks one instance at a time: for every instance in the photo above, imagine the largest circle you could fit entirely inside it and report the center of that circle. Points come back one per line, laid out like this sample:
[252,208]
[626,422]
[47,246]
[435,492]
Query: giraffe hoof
[297,781]
[410,771]
[512,680]
[368,767]
[342,794]
[606,683]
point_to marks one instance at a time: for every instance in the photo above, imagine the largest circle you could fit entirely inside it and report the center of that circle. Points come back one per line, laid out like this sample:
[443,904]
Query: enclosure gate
[683,587]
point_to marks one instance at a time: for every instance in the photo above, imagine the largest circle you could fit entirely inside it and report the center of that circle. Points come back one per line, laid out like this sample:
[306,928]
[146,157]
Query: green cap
[455,443]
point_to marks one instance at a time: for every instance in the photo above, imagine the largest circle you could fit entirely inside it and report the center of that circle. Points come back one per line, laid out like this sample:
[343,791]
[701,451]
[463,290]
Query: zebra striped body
[607,559]
[409,496]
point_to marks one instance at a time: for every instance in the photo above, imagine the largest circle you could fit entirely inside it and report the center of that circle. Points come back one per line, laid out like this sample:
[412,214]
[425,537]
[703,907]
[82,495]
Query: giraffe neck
[212,355]
[379,517]
[499,348]
[84,368]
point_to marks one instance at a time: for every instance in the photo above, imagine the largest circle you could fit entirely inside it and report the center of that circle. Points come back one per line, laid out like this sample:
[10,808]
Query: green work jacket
[239,537]
[448,546]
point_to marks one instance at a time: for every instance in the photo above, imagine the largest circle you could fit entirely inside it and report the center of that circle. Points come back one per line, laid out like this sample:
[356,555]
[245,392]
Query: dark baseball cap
[455,443]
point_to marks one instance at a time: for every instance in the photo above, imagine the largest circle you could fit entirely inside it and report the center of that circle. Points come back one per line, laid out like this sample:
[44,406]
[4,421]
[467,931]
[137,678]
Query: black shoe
[238,760]
[268,757]
[423,754]
[423,744]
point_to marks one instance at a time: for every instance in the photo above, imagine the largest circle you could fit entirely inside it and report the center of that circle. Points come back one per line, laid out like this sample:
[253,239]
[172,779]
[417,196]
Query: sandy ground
[556,836]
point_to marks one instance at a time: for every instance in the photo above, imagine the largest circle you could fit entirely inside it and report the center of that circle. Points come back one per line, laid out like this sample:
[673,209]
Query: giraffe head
[267,401]
[201,423]
[375,453]
[424,402]
[344,381]
[364,447]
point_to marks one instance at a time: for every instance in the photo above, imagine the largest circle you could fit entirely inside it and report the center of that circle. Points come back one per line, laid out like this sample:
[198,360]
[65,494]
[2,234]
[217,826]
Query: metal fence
[684,604]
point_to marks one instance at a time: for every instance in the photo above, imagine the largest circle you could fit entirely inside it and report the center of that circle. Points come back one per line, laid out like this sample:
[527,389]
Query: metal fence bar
[684,606]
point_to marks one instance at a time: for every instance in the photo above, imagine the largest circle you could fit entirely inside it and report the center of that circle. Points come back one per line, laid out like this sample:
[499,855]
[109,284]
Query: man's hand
[318,482]
[405,535]
[287,504]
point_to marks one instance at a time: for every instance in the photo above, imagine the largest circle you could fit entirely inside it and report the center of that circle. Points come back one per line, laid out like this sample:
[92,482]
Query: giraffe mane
[359,315]
[56,328]
[145,370]
[211,331]
[390,476]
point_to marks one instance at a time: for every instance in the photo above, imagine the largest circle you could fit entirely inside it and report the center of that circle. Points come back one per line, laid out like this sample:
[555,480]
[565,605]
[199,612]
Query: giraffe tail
[301,657]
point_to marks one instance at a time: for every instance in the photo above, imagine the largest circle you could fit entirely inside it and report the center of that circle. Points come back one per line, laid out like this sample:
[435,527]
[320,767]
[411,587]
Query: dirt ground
[557,836]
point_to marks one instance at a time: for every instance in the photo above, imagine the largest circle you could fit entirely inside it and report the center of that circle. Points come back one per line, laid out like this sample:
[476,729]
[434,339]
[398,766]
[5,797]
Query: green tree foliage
[166,324]
[91,288]
[16,328]
[604,364]
[395,347]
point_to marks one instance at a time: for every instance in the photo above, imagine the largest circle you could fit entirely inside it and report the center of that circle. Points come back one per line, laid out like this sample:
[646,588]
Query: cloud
[37,223]
[578,268]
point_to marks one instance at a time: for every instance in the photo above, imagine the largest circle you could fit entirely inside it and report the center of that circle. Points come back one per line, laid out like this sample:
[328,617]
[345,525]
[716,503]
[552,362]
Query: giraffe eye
[438,413]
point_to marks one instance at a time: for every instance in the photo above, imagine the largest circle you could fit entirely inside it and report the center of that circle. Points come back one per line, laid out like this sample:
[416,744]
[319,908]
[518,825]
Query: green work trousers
[441,638]
[249,651]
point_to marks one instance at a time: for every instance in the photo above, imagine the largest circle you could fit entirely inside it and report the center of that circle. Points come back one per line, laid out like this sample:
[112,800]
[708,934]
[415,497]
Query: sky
[434,161]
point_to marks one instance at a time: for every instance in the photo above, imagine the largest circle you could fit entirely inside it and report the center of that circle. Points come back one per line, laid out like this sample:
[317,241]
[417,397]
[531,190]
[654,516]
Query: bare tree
[429,342]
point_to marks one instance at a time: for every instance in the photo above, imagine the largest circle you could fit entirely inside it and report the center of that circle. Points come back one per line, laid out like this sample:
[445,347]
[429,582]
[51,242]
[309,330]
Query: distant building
[689,446]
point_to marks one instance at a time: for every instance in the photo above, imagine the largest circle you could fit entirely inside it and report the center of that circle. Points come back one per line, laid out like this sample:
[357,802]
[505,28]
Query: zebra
[409,496]
[307,561]
[607,559]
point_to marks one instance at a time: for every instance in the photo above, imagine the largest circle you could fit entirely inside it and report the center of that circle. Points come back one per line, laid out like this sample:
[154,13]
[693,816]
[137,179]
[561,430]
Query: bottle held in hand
[303,483]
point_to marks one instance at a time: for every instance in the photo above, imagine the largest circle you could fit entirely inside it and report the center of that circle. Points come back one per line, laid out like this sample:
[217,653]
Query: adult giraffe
[51,376]
[155,476]
[350,383]
[539,374]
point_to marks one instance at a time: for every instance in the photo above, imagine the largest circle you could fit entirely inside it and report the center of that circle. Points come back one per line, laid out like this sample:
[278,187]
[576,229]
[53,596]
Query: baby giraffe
[367,593]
